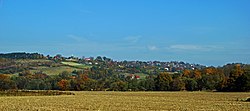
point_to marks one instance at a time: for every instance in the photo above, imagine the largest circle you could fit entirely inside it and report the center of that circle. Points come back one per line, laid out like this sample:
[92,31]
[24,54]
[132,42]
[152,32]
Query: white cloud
[75,38]
[79,39]
[184,47]
[152,48]
[133,39]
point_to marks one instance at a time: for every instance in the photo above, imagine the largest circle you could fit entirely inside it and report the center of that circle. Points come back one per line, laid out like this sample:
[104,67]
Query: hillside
[37,72]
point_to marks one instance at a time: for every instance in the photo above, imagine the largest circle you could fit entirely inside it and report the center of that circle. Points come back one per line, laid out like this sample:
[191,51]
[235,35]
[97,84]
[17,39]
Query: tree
[133,84]
[6,83]
[64,84]
[163,81]
[21,81]
[186,73]
[119,86]
[73,85]
[243,82]
[209,70]
[65,75]
[99,59]
[190,84]
[177,84]
[36,84]
[197,74]
[83,82]
[236,72]
[90,85]
[210,81]
[231,83]
[148,84]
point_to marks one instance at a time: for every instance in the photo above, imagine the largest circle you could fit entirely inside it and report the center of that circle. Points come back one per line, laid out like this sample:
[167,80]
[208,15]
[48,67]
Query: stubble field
[108,101]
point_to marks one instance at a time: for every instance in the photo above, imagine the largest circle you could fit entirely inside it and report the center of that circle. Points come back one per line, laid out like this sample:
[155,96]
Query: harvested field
[107,101]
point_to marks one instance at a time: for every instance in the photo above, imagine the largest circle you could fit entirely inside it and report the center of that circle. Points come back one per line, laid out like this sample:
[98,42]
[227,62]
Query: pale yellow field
[107,101]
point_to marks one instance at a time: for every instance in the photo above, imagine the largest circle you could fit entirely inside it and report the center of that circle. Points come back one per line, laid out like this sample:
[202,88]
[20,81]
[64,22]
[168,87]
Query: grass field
[76,65]
[67,66]
[54,70]
[107,101]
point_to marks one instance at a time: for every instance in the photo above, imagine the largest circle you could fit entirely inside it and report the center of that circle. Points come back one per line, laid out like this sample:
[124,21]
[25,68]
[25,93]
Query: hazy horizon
[203,32]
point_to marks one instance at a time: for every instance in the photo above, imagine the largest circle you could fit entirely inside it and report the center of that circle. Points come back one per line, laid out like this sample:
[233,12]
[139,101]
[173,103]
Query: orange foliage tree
[64,84]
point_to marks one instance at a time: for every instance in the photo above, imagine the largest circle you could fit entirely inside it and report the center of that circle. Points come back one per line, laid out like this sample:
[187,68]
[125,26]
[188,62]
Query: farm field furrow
[109,101]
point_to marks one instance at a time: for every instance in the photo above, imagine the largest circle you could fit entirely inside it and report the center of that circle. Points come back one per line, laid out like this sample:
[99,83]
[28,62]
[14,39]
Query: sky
[207,32]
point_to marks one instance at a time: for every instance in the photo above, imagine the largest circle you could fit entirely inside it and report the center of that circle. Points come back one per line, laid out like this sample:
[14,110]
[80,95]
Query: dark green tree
[6,83]
[190,84]
[243,82]
[148,84]
[119,86]
[177,84]
[163,81]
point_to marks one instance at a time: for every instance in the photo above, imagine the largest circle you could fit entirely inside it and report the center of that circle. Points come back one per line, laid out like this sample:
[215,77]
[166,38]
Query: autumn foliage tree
[64,84]
[197,74]
[6,83]
[186,73]
[235,79]
[163,81]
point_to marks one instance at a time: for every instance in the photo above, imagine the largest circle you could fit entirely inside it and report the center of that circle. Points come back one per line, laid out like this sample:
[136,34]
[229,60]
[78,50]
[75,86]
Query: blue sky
[208,32]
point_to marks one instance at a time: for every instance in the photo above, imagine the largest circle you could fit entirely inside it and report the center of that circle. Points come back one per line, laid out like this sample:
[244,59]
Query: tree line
[22,55]
[231,77]
[106,74]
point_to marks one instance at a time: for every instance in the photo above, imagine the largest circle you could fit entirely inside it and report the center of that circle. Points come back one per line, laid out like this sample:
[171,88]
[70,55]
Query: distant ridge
[21,55]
